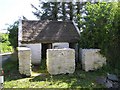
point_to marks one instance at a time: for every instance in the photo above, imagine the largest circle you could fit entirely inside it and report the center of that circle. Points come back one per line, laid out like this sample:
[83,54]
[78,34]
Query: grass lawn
[80,79]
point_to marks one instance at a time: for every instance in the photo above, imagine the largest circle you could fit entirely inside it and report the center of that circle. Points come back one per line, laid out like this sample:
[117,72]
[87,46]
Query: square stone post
[60,61]
[24,55]
[92,59]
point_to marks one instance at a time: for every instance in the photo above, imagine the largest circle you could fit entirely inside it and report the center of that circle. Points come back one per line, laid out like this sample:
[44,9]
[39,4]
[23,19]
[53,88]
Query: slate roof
[48,31]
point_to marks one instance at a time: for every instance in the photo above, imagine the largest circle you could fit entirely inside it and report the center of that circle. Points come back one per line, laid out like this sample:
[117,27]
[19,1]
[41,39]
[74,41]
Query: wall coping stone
[23,48]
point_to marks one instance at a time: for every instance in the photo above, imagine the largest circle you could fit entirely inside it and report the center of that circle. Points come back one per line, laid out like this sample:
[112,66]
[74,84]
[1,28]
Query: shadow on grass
[40,68]
[10,68]
[79,79]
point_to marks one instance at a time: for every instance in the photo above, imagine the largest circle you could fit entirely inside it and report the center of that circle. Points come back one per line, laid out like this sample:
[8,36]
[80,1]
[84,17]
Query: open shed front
[45,46]
[25,65]
[46,33]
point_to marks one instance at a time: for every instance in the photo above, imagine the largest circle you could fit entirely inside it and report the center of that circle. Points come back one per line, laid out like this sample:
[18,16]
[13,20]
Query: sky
[12,10]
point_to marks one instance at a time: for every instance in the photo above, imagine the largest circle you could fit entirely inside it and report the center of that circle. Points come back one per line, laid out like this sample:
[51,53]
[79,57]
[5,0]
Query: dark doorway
[75,47]
[44,48]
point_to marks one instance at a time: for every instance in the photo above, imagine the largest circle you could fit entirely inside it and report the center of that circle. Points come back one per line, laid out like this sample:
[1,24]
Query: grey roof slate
[48,31]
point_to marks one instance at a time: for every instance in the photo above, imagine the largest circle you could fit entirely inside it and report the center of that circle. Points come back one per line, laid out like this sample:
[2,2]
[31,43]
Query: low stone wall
[92,59]
[60,61]
[24,55]
[5,57]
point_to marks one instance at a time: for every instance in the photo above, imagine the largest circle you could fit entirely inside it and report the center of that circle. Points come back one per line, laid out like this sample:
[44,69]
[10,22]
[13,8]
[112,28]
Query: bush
[4,38]
[5,48]
[95,25]
[13,35]
[5,44]
[100,29]
[113,51]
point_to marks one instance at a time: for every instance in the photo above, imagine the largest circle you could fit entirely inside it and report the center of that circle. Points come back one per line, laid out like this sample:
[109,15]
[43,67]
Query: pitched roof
[48,31]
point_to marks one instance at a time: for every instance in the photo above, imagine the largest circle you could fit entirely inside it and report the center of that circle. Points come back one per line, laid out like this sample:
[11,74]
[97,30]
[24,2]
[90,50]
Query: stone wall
[24,55]
[60,61]
[4,57]
[35,52]
[60,45]
[92,59]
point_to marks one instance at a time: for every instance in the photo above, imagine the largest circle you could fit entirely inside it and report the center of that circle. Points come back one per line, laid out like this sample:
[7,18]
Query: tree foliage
[5,44]
[63,11]
[100,29]
[4,38]
[113,51]
[95,25]
[13,35]
[57,10]
[46,10]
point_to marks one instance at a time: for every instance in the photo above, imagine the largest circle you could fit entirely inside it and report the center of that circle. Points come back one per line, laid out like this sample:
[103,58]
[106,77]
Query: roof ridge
[45,20]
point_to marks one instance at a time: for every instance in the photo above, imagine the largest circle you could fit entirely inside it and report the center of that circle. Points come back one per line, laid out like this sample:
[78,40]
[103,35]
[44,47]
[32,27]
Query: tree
[43,11]
[100,29]
[63,11]
[37,13]
[54,10]
[113,51]
[78,7]
[13,35]
[70,6]
[79,11]
[3,38]
[47,10]
[95,25]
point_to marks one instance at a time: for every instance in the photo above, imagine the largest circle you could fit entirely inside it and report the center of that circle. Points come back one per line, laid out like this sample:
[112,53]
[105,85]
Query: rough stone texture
[112,77]
[92,59]
[60,61]
[24,55]
[110,81]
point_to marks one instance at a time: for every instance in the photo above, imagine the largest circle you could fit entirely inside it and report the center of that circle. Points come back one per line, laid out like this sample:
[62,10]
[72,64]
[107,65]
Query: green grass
[79,79]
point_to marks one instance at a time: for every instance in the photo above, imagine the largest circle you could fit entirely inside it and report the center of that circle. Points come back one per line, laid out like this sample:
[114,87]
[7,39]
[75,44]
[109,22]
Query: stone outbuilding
[42,35]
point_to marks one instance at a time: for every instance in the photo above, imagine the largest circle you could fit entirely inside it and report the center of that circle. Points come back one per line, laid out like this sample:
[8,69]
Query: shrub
[95,25]
[100,29]
[5,44]
[13,35]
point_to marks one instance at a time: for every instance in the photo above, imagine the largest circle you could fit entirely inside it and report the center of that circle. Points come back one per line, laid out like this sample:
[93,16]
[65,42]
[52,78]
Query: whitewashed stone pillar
[60,61]
[92,59]
[24,55]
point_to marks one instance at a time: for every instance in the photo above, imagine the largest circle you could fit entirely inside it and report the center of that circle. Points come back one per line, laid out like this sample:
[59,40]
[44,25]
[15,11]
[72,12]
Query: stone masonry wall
[24,55]
[60,61]
[92,59]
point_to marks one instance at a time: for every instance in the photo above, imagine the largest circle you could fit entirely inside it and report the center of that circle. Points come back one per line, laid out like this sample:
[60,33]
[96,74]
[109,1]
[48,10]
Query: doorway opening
[44,48]
[42,68]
